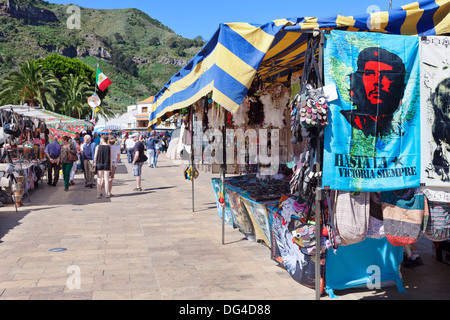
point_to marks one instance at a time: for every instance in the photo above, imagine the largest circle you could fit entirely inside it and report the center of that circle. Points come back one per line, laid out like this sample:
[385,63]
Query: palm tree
[32,84]
[76,92]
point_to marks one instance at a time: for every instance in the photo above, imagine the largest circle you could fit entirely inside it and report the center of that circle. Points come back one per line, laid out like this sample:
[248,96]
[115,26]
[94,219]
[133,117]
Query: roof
[237,52]
[148,100]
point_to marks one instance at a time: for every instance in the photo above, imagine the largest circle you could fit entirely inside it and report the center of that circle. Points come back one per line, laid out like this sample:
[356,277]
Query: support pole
[224,168]
[318,190]
[192,155]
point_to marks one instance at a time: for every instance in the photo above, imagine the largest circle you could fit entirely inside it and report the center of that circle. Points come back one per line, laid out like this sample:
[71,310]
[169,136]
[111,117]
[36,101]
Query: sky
[190,19]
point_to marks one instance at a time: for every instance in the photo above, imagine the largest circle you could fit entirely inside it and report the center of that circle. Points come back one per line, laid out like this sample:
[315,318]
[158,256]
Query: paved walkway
[150,245]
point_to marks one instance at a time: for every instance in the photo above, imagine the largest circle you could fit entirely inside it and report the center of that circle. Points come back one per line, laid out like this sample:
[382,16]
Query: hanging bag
[403,215]
[352,216]
[376,225]
[333,237]
[438,227]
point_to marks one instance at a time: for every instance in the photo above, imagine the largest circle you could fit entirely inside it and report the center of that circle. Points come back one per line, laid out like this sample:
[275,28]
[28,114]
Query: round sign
[94,101]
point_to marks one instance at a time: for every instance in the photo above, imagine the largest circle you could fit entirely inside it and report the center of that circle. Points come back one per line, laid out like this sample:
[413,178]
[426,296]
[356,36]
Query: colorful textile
[438,227]
[373,140]
[240,216]
[259,217]
[435,125]
[404,216]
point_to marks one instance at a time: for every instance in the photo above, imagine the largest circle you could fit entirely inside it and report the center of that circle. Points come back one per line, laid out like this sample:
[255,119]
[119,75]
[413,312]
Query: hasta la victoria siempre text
[371,167]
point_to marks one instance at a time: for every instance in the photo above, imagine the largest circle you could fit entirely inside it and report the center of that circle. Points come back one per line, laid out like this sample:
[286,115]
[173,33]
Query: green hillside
[137,52]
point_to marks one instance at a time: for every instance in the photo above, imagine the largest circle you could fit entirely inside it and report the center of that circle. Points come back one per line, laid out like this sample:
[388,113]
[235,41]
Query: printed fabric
[372,142]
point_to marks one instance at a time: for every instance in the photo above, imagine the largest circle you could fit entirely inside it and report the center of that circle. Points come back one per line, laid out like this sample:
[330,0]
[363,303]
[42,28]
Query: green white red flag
[102,80]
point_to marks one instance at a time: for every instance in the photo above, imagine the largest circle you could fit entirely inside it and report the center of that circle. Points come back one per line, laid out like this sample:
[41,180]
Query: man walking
[129,145]
[152,151]
[52,152]
[88,161]
[138,160]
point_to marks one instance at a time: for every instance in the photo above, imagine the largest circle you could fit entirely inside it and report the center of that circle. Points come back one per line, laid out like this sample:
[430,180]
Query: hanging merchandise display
[405,215]
[373,140]
[309,107]
[287,253]
[275,100]
[435,124]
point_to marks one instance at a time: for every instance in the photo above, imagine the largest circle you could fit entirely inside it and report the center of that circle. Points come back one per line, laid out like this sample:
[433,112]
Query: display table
[253,206]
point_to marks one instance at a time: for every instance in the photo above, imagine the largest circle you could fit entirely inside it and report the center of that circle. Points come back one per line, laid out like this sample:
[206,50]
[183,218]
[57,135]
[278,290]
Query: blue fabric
[351,266]
[364,154]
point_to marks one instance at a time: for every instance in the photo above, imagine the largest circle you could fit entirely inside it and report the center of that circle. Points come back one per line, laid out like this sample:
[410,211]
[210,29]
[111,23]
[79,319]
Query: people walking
[138,161]
[103,165]
[129,145]
[88,151]
[115,155]
[52,152]
[151,151]
[75,143]
[67,163]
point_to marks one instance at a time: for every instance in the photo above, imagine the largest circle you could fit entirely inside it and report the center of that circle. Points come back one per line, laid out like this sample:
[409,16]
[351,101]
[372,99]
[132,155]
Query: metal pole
[224,167]
[319,185]
[192,154]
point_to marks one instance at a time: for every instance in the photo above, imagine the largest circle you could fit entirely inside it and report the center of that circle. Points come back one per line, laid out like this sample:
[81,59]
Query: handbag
[309,108]
[305,234]
[333,237]
[352,216]
[438,227]
[72,157]
[404,215]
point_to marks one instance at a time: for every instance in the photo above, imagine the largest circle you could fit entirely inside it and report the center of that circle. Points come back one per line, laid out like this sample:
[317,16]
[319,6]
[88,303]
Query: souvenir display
[275,100]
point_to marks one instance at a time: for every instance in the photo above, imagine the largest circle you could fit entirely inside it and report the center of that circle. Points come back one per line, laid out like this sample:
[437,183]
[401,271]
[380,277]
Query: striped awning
[237,52]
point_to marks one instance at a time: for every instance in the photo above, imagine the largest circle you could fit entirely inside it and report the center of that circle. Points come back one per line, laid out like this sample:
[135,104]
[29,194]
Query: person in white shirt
[115,155]
[129,145]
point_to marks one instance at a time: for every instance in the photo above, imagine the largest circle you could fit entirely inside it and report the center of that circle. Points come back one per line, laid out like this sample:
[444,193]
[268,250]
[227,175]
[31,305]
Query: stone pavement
[151,245]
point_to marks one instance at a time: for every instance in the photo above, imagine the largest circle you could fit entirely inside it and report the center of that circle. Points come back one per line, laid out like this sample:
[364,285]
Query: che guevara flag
[102,80]
[372,142]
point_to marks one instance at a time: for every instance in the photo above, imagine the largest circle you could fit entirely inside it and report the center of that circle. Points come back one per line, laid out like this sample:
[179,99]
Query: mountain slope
[138,53]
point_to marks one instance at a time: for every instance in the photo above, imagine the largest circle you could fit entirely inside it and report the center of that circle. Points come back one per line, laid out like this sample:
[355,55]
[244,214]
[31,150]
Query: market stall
[354,151]
[24,134]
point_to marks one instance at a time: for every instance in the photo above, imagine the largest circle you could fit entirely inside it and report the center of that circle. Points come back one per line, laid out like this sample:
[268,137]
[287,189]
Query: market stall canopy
[49,117]
[228,63]
[58,125]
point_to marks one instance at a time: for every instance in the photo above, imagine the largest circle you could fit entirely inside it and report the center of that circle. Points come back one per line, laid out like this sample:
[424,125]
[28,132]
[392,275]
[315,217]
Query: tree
[32,84]
[76,92]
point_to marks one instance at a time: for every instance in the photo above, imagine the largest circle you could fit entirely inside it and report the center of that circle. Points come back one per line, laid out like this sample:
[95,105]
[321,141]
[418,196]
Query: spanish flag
[102,80]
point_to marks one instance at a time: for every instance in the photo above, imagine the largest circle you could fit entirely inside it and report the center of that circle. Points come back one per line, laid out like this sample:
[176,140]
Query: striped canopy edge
[228,63]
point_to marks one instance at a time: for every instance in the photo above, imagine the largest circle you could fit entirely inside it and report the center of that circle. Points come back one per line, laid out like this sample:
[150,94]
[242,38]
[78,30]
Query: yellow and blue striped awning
[237,52]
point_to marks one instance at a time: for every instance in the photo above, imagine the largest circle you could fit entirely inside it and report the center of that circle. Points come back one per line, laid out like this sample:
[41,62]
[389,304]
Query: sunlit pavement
[151,245]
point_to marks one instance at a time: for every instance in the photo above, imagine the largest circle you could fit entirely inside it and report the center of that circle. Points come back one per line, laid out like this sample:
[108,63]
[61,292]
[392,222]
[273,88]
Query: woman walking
[67,156]
[103,163]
